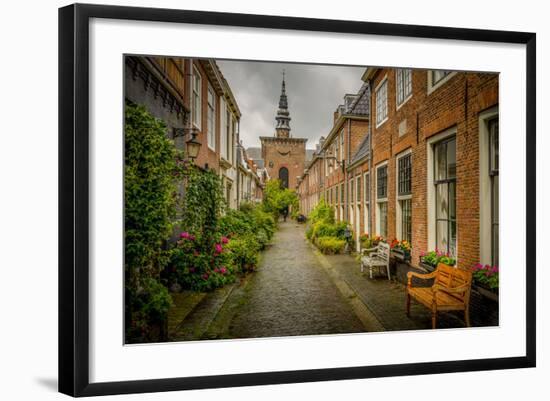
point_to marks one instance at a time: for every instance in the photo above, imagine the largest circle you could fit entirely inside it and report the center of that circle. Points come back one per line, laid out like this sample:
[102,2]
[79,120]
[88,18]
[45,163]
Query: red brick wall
[285,152]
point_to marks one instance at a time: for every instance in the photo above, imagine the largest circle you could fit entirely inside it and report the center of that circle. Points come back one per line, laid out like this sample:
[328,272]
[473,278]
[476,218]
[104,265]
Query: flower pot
[401,254]
[426,266]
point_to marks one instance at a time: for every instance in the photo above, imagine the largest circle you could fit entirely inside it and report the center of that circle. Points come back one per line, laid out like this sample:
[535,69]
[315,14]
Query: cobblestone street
[291,294]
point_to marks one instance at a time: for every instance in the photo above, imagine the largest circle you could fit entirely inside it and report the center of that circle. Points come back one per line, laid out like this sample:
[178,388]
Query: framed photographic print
[237,211]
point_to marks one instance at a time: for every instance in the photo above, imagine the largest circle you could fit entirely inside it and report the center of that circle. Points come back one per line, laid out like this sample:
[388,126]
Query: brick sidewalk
[386,299]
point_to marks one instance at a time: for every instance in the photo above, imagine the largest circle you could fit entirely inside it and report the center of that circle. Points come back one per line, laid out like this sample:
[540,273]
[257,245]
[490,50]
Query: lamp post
[192,145]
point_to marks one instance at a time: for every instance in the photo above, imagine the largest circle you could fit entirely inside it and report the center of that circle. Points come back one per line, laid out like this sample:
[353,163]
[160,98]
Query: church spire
[283,116]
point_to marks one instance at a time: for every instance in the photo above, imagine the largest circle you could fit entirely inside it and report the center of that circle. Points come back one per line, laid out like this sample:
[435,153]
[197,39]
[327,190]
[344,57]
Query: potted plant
[401,249]
[430,260]
[486,280]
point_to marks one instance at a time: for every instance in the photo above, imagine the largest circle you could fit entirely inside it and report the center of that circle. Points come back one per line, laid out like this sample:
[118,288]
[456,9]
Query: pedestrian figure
[285,213]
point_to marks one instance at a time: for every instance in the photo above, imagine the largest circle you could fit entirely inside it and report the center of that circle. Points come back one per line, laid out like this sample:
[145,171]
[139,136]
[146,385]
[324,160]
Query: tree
[278,199]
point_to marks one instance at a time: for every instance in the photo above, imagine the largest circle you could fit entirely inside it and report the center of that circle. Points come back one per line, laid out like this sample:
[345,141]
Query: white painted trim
[366,204]
[432,87]
[397,104]
[398,211]
[430,204]
[485,187]
[382,82]
[382,200]
[197,73]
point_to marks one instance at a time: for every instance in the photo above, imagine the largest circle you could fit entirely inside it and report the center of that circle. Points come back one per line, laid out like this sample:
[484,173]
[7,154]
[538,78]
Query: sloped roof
[362,151]
[361,105]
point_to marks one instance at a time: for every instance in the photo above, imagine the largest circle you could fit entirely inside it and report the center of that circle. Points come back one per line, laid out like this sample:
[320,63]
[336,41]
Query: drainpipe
[371,175]
[346,173]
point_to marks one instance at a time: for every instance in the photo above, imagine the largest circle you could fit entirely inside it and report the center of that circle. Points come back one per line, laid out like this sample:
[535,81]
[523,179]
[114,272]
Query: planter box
[485,292]
[426,267]
[401,255]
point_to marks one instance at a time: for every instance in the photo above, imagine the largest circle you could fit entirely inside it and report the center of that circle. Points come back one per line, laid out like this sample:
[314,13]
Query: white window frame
[485,256]
[383,82]
[433,86]
[406,97]
[398,198]
[196,115]
[431,187]
[381,200]
[366,202]
[211,117]
[224,137]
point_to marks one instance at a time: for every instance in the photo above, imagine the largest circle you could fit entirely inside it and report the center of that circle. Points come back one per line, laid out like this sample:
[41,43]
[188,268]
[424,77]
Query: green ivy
[149,207]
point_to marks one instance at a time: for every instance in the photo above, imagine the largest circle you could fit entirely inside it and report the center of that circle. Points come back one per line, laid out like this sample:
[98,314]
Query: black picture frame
[74,194]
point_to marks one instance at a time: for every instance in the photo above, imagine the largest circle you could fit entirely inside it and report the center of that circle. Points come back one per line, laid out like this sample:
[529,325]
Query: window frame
[406,96]
[432,86]
[382,83]
[449,182]
[403,197]
[211,118]
[196,114]
[381,202]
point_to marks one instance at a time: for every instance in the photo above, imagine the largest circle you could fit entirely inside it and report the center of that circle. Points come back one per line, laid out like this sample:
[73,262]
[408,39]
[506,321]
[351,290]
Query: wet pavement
[291,294]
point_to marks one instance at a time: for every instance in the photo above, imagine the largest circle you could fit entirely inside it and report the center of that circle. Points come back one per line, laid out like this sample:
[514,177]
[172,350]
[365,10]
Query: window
[351,190]
[382,102]
[382,200]
[493,173]
[439,75]
[342,145]
[436,78]
[404,197]
[342,193]
[404,85]
[336,193]
[211,127]
[366,198]
[223,125]
[382,182]
[196,113]
[358,191]
[445,195]
[283,176]
[228,134]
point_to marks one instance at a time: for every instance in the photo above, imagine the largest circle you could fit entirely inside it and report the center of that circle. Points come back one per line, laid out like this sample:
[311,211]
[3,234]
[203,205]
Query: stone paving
[291,294]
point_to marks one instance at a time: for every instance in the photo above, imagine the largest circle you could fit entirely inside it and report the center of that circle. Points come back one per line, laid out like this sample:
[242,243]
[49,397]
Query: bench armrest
[366,250]
[427,276]
[462,288]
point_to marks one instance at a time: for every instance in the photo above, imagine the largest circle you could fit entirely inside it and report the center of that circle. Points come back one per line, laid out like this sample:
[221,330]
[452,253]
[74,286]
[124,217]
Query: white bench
[376,257]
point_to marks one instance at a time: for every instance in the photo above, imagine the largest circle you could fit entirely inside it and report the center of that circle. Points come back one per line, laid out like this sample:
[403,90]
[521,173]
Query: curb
[365,315]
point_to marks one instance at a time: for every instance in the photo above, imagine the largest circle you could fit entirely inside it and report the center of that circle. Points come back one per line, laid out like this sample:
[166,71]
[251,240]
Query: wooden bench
[450,291]
[376,257]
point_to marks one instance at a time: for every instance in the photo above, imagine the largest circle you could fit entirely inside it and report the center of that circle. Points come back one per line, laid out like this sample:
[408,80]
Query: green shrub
[244,251]
[322,212]
[324,229]
[330,245]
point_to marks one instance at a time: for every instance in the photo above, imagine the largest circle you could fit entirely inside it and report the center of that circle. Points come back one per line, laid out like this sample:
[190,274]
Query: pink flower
[478,266]
[205,276]
[223,270]
[218,248]
[216,270]
[192,237]
[191,270]
[185,235]
[225,240]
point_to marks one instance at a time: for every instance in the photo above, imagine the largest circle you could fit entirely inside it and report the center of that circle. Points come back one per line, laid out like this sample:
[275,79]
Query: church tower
[284,156]
[283,116]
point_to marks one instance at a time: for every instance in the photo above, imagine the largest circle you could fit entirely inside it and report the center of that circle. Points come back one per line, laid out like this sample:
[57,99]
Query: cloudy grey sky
[313,92]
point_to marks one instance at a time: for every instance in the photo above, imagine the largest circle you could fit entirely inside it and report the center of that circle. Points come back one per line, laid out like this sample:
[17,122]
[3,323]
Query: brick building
[191,96]
[428,171]
[283,155]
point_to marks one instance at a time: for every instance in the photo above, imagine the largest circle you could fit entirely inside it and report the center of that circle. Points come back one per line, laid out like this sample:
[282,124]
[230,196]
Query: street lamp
[193,146]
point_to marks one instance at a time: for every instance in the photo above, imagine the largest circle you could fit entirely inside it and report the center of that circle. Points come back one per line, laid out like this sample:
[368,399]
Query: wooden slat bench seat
[450,291]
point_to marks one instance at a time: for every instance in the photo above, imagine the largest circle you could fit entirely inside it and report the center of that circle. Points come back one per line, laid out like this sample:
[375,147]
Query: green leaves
[278,199]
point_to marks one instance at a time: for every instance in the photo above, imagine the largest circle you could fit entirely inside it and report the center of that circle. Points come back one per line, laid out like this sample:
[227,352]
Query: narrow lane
[291,294]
